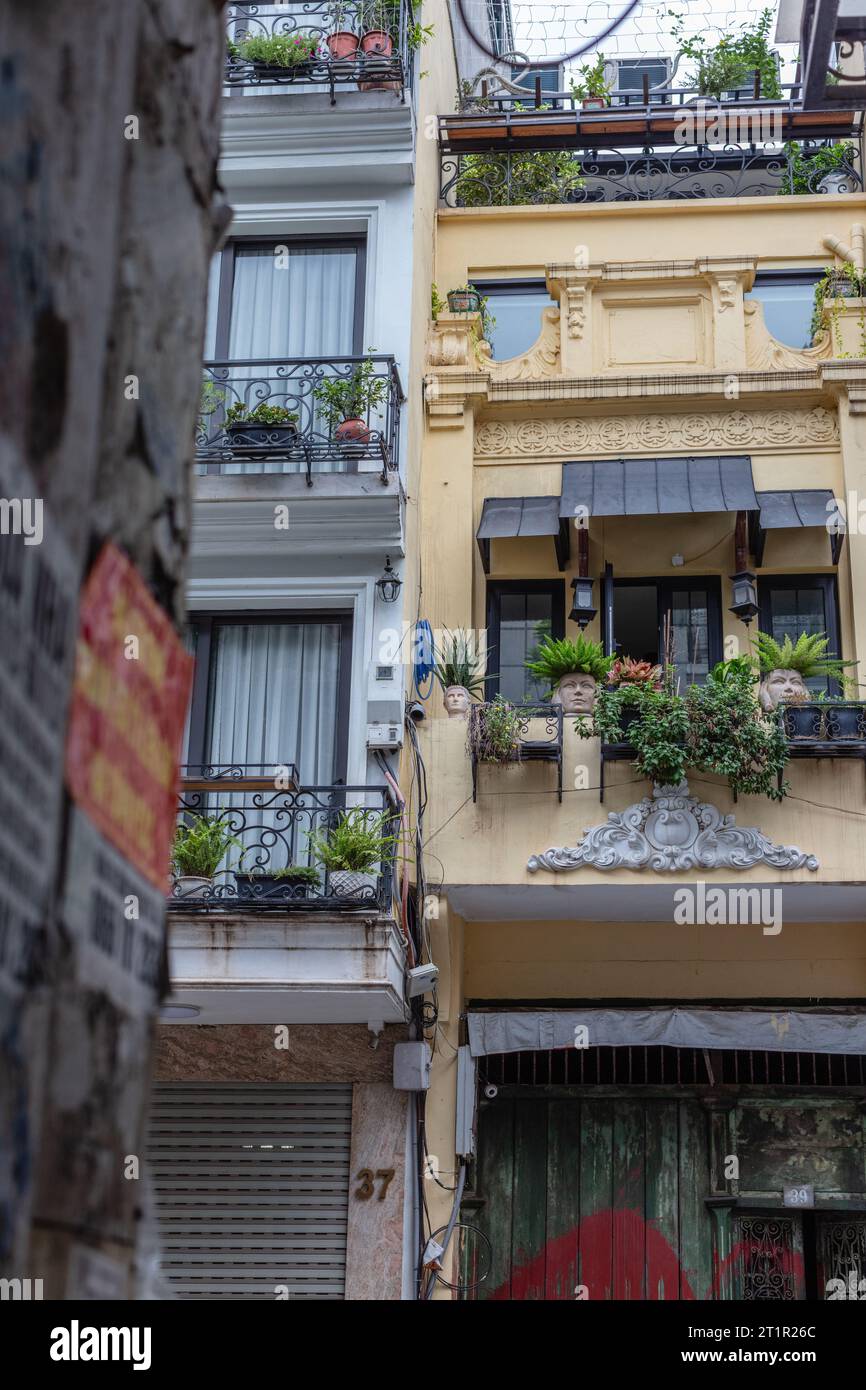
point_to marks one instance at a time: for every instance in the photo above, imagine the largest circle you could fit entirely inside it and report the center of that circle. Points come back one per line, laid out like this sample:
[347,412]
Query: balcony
[320,51]
[506,734]
[498,152]
[307,444]
[272,824]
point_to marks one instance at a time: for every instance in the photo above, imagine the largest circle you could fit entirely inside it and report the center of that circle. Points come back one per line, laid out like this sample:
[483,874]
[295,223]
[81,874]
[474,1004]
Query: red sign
[129,702]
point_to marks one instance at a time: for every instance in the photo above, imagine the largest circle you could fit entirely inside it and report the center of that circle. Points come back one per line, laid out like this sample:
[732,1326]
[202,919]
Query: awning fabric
[522,516]
[763,1030]
[805,507]
[647,487]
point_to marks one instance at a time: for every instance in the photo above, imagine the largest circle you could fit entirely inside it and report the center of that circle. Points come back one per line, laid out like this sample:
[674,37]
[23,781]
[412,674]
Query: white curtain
[273,701]
[273,696]
[297,303]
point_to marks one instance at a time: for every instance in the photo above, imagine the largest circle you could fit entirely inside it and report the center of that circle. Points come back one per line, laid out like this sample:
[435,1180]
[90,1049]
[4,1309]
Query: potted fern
[346,401]
[197,852]
[459,670]
[352,851]
[571,671]
[784,667]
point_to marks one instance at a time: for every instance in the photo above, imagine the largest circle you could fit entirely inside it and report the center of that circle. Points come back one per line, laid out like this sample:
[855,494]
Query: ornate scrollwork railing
[533,730]
[272,825]
[314,62]
[308,444]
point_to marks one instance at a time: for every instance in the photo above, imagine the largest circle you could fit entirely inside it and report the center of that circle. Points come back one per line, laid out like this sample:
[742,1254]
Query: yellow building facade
[653,360]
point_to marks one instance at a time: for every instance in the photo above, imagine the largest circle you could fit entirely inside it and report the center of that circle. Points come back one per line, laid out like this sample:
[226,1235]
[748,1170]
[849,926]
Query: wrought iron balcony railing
[497,153]
[273,827]
[364,44]
[308,443]
[503,733]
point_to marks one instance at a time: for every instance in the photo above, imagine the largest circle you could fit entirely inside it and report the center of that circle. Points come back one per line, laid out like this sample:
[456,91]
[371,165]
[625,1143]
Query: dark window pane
[517,312]
[539,607]
[636,621]
[794,611]
[512,608]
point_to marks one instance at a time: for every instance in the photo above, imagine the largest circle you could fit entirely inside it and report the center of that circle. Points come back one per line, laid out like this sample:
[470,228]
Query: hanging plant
[728,737]
[837,284]
[494,732]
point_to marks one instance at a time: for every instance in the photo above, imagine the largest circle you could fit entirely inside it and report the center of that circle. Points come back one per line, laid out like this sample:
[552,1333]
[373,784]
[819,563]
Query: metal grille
[841,1256]
[671,1066]
[767,1254]
[251,1185]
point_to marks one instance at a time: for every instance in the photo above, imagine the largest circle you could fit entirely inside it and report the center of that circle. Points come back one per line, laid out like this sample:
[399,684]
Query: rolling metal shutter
[251,1185]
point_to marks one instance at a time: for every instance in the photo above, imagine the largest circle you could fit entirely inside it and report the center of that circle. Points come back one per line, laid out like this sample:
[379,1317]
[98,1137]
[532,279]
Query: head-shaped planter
[456,701]
[781,687]
[576,693]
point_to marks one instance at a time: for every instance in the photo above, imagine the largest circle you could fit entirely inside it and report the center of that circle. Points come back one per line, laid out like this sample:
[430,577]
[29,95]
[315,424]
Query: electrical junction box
[412,1062]
[385,736]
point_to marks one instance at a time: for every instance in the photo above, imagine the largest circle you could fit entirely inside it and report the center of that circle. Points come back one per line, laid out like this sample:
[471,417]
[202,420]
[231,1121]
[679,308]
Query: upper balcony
[319,46]
[274,416]
[500,151]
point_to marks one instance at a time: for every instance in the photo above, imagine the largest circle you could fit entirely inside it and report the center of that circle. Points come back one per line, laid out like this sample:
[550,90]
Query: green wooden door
[599,1198]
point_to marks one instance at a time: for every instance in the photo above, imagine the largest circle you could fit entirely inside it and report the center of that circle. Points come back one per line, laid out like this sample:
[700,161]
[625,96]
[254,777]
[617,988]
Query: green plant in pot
[838,283]
[494,732]
[342,41]
[571,671]
[198,850]
[353,849]
[264,425]
[345,402]
[282,52]
[732,61]
[592,89]
[828,169]
[727,737]
[784,667]
[459,669]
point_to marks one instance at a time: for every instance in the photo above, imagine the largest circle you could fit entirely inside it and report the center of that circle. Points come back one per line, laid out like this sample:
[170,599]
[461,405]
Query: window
[630,75]
[650,613]
[273,690]
[520,613]
[286,298]
[787,297]
[516,306]
[551,82]
[791,604]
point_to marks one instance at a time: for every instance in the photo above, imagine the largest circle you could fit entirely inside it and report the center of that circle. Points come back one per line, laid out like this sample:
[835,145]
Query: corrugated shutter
[251,1183]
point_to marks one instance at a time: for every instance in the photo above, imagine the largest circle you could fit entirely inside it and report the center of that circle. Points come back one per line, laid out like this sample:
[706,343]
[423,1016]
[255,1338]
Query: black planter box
[268,888]
[245,435]
[802,721]
[845,721]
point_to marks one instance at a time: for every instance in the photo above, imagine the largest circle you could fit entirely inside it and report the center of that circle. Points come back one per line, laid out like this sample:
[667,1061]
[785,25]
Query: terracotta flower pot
[594,103]
[377,41]
[342,44]
[354,431]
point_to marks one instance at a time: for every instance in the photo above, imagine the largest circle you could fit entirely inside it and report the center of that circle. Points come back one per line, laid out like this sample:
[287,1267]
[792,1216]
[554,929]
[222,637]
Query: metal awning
[503,517]
[806,507]
[662,486]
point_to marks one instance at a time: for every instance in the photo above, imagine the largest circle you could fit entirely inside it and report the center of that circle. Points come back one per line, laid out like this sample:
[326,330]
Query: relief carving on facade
[738,430]
[727,295]
[542,359]
[764,353]
[672,832]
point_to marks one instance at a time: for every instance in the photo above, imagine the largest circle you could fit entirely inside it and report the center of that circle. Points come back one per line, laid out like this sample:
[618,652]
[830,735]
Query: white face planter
[782,687]
[575,693]
[456,701]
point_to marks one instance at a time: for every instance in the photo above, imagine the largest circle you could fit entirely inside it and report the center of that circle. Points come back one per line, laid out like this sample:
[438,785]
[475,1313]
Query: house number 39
[366,1178]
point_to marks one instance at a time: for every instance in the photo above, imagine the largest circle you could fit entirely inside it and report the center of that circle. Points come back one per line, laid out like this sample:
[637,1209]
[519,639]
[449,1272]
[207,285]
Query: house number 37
[366,1178]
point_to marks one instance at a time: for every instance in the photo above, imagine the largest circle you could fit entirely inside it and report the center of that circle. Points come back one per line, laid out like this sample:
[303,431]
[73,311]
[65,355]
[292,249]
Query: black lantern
[582,609]
[745,604]
[390,584]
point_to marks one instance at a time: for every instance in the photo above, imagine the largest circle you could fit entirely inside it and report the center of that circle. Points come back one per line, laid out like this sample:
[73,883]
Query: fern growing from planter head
[198,849]
[357,841]
[556,657]
[458,662]
[808,655]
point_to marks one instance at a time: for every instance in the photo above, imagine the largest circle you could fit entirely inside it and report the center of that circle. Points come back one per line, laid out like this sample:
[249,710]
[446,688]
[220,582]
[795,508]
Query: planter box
[802,721]
[464,302]
[191,888]
[344,883]
[845,721]
[269,888]
[244,435]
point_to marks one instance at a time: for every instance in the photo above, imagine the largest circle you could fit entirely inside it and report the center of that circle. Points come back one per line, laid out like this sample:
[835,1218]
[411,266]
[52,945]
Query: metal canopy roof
[804,507]
[647,487]
[522,516]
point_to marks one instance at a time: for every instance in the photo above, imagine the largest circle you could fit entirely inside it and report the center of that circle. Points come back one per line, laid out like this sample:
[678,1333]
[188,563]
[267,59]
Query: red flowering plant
[627,670]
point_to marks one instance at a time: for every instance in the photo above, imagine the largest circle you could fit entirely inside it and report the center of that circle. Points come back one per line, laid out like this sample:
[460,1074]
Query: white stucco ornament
[672,832]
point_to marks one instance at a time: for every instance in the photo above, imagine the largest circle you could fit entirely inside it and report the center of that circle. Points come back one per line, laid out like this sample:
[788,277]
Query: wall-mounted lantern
[390,584]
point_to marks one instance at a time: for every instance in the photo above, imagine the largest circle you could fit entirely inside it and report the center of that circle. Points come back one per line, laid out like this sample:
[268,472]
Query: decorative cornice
[736,430]
[672,832]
